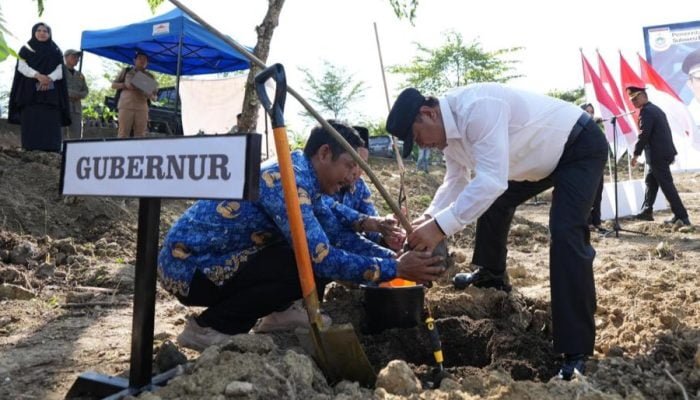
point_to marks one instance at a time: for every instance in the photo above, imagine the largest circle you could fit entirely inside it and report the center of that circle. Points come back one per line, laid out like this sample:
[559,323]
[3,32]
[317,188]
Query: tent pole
[177,79]
[345,145]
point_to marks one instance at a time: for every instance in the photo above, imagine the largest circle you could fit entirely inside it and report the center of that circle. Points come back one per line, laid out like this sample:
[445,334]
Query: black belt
[579,126]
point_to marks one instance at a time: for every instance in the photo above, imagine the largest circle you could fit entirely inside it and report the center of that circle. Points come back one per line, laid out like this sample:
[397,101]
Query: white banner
[212,167]
[211,106]
[630,195]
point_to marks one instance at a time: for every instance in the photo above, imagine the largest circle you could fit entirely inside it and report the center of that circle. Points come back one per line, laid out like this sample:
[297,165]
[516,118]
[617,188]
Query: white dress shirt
[694,108]
[502,134]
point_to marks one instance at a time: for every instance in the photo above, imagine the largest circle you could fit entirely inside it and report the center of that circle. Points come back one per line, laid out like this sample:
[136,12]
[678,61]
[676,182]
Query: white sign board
[194,167]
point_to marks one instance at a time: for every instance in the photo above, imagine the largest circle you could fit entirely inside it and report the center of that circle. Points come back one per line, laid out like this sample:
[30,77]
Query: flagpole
[616,224]
[610,165]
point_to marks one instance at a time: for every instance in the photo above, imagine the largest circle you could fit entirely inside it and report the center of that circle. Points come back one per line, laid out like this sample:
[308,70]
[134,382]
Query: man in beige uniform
[77,91]
[133,103]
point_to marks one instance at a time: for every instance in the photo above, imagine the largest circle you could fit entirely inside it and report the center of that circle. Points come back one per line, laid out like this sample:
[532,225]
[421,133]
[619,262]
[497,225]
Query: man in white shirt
[691,66]
[519,144]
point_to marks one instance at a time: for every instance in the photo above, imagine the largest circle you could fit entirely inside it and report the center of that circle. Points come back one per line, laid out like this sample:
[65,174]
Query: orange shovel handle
[296,224]
[291,196]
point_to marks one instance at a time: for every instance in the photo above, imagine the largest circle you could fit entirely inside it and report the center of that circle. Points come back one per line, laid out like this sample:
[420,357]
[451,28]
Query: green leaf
[405,9]
[40,6]
[154,4]
[5,50]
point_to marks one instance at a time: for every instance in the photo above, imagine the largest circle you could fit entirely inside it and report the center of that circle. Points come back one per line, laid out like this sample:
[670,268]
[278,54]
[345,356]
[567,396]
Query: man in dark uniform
[657,142]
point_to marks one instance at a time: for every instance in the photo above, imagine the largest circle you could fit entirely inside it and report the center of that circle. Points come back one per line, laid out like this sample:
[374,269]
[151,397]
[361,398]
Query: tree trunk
[251,103]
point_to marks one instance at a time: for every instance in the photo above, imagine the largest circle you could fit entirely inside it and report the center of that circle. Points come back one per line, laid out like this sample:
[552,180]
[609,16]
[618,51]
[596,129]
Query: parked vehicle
[381,146]
[163,117]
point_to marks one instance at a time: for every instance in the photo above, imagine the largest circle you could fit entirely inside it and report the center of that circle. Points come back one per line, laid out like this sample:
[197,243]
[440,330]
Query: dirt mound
[32,204]
[66,268]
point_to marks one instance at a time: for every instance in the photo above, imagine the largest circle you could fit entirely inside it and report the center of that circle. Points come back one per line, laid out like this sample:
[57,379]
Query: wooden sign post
[198,167]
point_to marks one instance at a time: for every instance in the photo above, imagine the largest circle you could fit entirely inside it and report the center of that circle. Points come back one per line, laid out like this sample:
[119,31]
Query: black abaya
[40,113]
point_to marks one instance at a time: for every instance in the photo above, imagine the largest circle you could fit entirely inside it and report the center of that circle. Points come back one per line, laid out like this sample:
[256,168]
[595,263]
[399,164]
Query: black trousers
[268,282]
[659,176]
[575,181]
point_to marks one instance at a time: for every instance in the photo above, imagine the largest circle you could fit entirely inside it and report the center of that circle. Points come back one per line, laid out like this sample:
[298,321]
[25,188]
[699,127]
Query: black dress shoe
[644,216]
[598,228]
[572,363]
[684,221]
[482,278]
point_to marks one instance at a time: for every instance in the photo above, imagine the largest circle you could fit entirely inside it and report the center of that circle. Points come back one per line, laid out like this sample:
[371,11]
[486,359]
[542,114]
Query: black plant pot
[391,307]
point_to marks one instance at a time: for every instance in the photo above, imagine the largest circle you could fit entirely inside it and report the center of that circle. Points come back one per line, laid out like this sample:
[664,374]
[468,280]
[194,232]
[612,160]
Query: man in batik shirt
[236,258]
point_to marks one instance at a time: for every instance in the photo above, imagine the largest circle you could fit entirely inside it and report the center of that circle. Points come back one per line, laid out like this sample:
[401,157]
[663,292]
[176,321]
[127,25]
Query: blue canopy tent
[175,44]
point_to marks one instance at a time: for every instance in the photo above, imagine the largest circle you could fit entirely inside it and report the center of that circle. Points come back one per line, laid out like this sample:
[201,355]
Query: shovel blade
[338,352]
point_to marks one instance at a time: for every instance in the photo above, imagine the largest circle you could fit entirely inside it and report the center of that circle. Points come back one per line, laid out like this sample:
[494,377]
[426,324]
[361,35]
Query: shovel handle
[274,109]
[291,196]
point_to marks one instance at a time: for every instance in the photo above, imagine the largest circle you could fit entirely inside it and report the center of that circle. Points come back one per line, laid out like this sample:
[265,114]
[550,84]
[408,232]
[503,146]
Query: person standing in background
[39,97]
[656,140]
[235,128]
[77,91]
[423,159]
[133,103]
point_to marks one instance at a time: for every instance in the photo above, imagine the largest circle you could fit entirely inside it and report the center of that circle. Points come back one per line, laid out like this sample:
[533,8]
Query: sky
[342,33]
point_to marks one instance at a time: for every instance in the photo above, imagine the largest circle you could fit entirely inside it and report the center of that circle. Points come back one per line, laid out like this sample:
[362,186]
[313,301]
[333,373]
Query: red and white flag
[611,85]
[629,78]
[650,76]
[600,98]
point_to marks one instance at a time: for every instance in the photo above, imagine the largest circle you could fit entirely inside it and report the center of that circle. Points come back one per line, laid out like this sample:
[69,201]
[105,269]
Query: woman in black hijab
[39,97]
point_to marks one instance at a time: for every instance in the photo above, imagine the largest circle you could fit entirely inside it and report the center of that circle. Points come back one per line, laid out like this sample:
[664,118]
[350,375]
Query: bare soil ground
[66,267]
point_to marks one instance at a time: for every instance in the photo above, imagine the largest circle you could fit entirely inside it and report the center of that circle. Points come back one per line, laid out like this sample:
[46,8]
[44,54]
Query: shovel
[336,349]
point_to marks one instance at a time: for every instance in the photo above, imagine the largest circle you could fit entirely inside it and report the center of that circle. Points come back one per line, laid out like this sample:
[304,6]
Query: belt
[579,126]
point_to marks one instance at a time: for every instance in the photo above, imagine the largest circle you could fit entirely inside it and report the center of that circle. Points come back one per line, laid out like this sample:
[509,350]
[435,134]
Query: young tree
[251,103]
[576,96]
[261,50]
[334,91]
[455,64]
